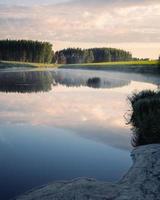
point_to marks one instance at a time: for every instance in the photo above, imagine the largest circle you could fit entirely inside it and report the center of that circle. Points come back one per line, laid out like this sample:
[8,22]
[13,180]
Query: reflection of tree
[38,81]
[94,82]
[75,80]
[97,82]
[25,82]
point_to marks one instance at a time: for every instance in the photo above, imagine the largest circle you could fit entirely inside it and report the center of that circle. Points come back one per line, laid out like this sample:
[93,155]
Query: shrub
[145,117]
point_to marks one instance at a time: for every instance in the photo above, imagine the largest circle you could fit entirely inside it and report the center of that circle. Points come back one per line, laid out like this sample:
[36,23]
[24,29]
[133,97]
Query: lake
[62,124]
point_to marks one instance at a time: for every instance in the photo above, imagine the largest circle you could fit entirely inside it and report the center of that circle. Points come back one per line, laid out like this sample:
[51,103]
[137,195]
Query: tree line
[41,52]
[94,55]
[26,51]
[74,55]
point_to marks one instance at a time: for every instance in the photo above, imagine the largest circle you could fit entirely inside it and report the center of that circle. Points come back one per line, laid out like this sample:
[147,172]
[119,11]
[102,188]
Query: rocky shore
[142,182]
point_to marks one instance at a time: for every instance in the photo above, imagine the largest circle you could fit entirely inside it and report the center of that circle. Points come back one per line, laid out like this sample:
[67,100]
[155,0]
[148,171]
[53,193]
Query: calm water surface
[62,124]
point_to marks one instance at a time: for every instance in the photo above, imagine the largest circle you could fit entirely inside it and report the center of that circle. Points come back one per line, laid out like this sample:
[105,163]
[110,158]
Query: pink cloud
[91,21]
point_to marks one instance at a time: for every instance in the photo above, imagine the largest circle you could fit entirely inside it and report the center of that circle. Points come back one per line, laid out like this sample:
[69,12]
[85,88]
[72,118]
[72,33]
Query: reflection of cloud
[112,136]
[94,114]
[91,21]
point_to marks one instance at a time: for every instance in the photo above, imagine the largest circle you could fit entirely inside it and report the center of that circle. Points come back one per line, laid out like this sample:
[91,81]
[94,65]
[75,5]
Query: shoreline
[140,67]
[14,64]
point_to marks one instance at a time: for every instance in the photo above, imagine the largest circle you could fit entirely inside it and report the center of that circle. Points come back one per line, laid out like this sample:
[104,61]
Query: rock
[142,182]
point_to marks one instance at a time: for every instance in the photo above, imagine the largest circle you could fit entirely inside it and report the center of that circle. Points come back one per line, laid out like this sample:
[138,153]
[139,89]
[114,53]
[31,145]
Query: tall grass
[145,117]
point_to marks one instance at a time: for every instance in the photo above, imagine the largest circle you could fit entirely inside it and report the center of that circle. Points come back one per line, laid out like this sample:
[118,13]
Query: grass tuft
[145,117]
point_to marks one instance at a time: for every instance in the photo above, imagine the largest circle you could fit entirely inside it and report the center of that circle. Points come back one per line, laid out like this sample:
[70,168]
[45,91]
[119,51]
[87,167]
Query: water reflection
[91,79]
[74,128]
[25,82]
[43,81]
[70,103]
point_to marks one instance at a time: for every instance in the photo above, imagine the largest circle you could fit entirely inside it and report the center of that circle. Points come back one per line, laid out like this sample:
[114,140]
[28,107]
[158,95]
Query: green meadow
[152,63]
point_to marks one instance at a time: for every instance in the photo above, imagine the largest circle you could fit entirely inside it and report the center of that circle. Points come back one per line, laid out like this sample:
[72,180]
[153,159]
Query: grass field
[132,64]
[8,64]
[151,62]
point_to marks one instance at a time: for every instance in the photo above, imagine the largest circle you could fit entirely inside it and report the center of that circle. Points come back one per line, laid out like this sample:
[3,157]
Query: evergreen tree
[72,55]
[26,51]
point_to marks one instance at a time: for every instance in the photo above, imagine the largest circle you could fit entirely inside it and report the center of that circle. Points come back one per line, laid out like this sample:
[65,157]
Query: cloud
[102,21]
[31,2]
[54,109]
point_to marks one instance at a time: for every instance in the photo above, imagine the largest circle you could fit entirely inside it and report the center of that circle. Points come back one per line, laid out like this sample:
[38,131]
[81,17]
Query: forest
[26,51]
[94,55]
[42,52]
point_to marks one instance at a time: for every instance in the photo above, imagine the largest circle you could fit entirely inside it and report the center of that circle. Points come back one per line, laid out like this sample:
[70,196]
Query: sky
[131,25]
